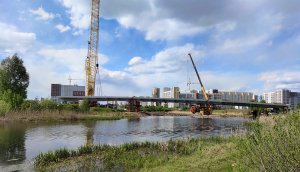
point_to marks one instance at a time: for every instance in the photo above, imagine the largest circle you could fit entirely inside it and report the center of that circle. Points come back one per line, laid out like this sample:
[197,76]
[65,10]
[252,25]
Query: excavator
[204,109]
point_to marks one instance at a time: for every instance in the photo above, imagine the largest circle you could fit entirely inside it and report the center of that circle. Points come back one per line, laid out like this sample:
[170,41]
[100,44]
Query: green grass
[140,156]
[273,145]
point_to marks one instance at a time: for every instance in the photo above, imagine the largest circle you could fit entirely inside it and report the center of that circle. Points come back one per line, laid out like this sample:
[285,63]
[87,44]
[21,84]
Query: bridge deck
[171,100]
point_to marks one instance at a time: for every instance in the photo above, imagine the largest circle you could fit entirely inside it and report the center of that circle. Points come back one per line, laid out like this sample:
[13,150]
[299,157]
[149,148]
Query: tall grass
[129,155]
[272,145]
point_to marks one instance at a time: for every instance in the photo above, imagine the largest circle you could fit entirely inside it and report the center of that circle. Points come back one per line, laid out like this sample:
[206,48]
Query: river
[21,142]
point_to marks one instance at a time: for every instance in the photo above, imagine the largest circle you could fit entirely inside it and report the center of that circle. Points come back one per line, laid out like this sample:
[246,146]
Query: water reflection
[12,143]
[21,142]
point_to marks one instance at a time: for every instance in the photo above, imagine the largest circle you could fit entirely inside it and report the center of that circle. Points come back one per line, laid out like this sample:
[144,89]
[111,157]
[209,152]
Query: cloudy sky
[238,45]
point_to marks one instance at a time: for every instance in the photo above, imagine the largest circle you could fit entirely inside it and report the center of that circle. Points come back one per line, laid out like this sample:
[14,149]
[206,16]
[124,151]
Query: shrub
[31,105]
[71,107]
[15,100]
[272,146]
[4,107]
[84,106]
[49,105]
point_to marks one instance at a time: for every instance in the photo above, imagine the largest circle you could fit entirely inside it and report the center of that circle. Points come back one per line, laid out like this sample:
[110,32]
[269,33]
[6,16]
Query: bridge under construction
[134,102]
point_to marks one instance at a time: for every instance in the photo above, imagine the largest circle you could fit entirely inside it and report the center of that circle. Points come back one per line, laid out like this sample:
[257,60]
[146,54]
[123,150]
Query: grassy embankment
[269,145]
[64,116]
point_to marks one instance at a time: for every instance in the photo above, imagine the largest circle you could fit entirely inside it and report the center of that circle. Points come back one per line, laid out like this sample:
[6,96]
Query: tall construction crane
[91,62]
[205,108]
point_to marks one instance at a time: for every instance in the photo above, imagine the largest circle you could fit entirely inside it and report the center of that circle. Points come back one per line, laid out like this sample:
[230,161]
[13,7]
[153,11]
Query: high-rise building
[294,99]
[173,92]
[231,96]
[156,92]
[283,96]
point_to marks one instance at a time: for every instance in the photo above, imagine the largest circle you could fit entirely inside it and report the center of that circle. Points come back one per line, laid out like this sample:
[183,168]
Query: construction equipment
[72,79]
[205,108]
[91,63]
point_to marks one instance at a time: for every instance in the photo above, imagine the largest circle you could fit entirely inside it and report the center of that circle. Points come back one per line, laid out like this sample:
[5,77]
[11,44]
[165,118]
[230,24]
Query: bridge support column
[133,105]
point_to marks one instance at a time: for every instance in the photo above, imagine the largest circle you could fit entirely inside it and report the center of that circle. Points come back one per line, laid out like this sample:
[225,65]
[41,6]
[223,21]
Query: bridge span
[136,100]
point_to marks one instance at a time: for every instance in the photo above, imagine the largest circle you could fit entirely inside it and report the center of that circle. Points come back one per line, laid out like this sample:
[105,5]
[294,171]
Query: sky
[237,45]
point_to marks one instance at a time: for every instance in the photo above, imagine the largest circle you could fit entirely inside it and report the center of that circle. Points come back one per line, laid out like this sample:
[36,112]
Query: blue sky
[238,45]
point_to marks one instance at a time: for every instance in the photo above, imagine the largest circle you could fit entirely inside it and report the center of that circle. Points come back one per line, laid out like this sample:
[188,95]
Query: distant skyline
[237,45]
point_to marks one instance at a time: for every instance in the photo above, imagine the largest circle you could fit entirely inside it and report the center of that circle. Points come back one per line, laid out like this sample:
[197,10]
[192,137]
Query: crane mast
[91,63]
[205,108]
[202,87]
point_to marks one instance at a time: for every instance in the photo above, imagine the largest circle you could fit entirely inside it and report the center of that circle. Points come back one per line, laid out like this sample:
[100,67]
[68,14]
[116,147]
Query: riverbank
[56,115]
[65,116]
[216,113]
[214,154]
[271,145]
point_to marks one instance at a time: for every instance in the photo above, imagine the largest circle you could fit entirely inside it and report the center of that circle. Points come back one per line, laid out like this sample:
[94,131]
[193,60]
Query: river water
[21,142]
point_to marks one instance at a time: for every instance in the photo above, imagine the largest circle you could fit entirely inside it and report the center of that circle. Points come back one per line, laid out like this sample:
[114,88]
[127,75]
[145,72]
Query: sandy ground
[187,113]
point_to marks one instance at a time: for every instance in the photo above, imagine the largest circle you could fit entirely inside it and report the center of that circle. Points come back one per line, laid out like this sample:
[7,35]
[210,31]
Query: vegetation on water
[269,145]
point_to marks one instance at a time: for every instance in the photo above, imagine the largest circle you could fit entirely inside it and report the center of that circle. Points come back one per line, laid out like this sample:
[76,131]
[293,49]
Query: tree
[298,105]
[13,76]
[262,101]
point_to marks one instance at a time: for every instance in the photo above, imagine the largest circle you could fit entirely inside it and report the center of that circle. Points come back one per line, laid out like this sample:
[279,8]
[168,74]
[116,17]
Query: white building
[156,92]
[243,97]
[283,96]
[172,92]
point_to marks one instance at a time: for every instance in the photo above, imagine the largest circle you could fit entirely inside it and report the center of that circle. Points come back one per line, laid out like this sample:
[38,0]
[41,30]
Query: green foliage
[186,108]
[50,157]
[101,109]
[4,107]
[50,105]
[272,146]
[155,109]
[31,105]
[87,149]
[84,106]
[298,105]
[13,76]
[13,99]
[71,107]
[263,101]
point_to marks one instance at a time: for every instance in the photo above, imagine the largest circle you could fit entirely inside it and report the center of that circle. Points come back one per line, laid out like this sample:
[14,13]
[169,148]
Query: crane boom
[91,63]
[202,87]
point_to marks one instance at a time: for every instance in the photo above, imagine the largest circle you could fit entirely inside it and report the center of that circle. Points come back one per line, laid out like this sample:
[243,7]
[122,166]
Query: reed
[272,145]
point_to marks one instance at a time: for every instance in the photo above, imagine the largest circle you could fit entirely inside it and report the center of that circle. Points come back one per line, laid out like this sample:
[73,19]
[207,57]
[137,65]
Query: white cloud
[135,60]
[41,14]
[72,59]
[281,80]
[12,40]
[240,44]
[166,61]
[62,28]
[79,11]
